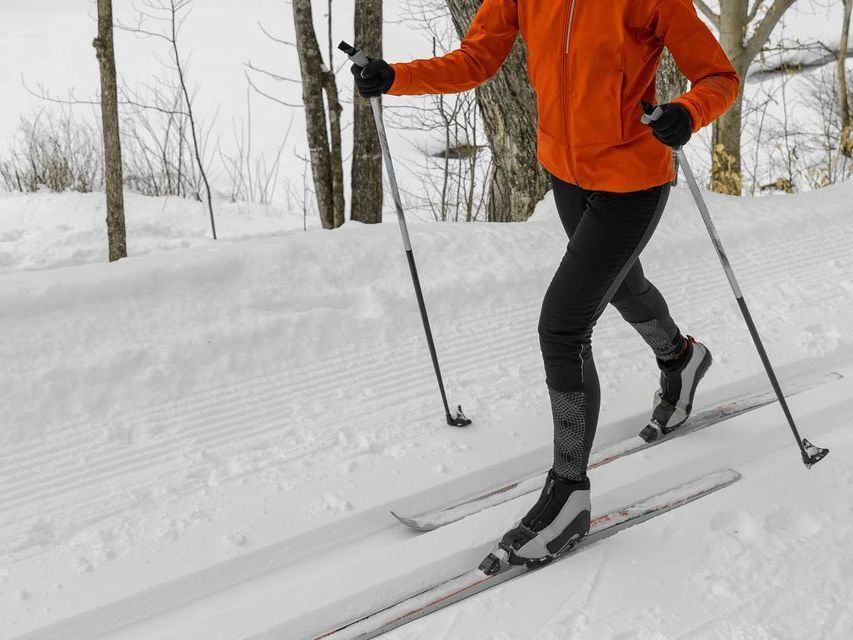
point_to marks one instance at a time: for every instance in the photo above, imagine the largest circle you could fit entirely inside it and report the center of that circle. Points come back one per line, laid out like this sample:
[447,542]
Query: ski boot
[556,523]
[674,400]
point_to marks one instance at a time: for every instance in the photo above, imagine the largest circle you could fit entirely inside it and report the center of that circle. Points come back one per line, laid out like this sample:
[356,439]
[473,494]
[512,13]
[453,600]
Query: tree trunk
[508,105]
[669,84]
[725,148]
[735,22]
[367,156]
[843,99]
[113,179]
[314,82]
[336,155]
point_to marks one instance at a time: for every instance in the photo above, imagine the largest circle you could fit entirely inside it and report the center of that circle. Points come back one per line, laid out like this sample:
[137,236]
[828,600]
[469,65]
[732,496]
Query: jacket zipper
[569,25]
[564,72]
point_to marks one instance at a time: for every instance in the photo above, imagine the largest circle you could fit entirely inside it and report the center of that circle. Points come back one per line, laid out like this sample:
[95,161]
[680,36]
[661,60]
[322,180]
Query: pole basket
[460,420]
[812,454]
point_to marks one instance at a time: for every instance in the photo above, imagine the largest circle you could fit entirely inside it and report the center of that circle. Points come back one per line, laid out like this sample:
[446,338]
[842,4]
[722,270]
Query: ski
[475,581]
[435,518]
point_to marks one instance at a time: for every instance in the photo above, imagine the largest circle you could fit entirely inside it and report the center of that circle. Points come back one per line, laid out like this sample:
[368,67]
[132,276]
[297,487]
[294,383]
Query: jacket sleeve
[485,47]
[714,81]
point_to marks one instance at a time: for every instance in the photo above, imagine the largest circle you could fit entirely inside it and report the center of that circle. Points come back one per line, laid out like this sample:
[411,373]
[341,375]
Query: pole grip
[357,56]
[652,113]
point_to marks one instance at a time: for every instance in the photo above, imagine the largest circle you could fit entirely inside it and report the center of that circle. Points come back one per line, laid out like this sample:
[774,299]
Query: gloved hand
[674,126]
[374,79]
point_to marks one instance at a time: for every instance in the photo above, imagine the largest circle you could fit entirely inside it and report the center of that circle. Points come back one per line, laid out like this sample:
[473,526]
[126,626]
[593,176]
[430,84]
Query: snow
[43,231]
[205,440]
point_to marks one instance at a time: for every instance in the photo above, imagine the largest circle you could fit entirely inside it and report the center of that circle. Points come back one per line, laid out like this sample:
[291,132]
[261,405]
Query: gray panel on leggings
[569,410]
[659,339]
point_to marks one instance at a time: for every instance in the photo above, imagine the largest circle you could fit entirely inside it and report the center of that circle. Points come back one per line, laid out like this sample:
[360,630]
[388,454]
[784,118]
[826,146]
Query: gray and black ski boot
[673,402]
[556,523]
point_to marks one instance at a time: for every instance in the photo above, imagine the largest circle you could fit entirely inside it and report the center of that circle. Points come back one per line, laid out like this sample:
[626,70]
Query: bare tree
[744,30]
[158,160]
[114,184]
[170,16]
[843,99]
[319,80]
[366,203]
[508,105]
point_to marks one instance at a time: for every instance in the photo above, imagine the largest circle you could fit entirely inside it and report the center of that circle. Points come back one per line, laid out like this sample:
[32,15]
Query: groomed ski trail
[356,576]
[194,490]
[476,581]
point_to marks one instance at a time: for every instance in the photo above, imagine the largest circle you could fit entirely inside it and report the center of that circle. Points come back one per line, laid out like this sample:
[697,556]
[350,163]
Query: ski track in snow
[239,431]
[231,461]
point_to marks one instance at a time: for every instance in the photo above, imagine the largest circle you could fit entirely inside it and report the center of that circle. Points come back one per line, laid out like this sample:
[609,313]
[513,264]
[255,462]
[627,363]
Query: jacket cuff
[402,79]
[695,118]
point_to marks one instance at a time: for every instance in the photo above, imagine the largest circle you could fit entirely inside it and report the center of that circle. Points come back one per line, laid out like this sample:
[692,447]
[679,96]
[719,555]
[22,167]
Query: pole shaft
[407,244]
[410,257]
[747,316]
[389,171]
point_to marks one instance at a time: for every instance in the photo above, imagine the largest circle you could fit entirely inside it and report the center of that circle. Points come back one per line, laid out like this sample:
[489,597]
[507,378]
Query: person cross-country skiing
[592,65]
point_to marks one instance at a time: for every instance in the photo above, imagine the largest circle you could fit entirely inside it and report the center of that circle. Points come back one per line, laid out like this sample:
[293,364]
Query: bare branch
[766,26]
[709,13]
[757,4]
[272,75]
[273,38]
[268,96]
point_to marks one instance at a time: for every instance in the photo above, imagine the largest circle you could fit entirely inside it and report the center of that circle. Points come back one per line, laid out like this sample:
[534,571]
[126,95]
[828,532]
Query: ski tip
[411,523]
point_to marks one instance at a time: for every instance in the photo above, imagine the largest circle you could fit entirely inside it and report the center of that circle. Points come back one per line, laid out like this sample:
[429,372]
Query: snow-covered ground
[42,231]
[205,443]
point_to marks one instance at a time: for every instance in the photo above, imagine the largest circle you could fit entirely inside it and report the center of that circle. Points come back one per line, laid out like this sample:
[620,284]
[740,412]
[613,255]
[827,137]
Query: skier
[592,65]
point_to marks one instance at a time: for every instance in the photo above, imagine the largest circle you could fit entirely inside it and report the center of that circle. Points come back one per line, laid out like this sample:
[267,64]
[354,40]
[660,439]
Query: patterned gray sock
[666,341]
[569,411]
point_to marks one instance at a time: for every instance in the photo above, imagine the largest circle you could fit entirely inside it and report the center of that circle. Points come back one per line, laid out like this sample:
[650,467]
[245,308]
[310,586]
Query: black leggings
[607,232]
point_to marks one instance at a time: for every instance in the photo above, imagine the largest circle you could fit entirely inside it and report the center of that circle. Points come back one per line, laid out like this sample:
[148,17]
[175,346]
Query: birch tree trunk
[843,100]
[113,179]
[326,162]
[367,156]
[508,105]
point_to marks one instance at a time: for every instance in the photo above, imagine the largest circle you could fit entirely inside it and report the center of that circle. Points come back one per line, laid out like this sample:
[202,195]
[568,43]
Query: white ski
[475,581]
[438,517]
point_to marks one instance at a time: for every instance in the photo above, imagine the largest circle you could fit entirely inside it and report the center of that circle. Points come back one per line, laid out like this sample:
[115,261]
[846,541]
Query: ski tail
[475,581]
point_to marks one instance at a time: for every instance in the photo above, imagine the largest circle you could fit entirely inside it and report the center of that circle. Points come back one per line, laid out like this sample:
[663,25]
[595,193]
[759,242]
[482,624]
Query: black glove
[674,127]
[374,79]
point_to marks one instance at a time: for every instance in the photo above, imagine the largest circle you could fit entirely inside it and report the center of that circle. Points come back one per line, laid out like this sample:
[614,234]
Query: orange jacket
[590,62]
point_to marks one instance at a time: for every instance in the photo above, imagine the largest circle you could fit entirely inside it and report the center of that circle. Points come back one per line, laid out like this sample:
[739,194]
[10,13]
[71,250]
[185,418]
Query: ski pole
[810,453]
[358,57]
